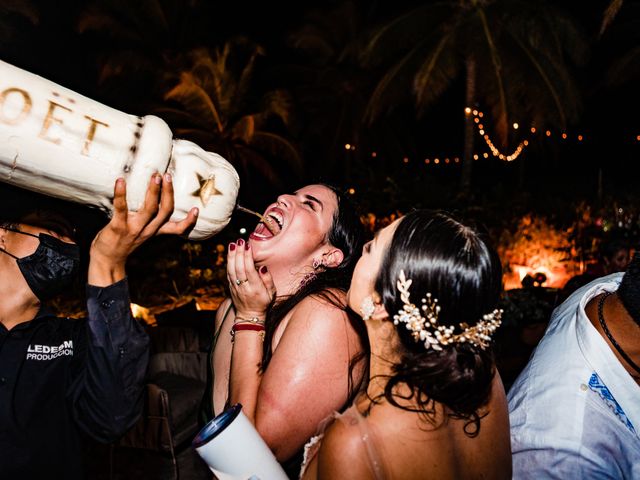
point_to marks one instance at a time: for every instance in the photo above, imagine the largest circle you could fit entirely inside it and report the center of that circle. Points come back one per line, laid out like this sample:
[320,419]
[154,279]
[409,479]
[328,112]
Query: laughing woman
[284,345]
[427,289]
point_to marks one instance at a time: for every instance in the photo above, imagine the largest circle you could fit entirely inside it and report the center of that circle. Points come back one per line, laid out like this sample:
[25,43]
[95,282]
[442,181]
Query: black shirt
[62,378]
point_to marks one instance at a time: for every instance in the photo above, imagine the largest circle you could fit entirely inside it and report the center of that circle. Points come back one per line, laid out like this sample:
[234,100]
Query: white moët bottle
[59,143]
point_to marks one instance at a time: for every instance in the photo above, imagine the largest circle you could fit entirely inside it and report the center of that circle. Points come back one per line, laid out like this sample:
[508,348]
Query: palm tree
[135,43]
[211,104]
[515,56]
[151,60]
[622,44]
[333,89]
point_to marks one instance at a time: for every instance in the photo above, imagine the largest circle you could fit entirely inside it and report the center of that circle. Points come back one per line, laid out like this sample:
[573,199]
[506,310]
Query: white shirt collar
[601,358]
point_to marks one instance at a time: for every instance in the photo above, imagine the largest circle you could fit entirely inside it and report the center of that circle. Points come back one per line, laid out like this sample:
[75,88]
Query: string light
[477,115]
[494,150]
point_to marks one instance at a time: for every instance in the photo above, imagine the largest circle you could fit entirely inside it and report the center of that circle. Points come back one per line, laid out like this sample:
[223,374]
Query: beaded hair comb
[424,327]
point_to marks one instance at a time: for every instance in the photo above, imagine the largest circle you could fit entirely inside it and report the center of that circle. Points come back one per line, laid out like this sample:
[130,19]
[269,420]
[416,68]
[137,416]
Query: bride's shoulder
[343,449]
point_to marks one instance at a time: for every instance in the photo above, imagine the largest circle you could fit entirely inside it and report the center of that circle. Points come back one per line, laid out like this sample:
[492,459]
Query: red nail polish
[240,242]
[263,269]
[232,246]
[247,246]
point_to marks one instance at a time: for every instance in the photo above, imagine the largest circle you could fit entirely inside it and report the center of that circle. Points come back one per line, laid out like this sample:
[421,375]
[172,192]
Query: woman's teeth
[271,224]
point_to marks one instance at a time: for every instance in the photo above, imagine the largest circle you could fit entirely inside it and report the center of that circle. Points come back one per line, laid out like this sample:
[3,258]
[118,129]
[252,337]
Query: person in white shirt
[575,409]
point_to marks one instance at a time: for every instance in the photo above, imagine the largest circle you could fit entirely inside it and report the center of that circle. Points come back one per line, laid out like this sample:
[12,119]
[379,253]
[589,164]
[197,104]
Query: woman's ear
[379,312]
[332,258]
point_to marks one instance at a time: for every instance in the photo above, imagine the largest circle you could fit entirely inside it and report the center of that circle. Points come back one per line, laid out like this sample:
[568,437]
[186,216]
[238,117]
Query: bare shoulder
[223,310]
[329,305]
[342,453]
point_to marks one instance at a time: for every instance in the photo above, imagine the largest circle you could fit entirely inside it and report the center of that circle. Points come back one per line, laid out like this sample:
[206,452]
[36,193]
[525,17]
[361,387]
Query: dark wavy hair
[457,266]
[348,234]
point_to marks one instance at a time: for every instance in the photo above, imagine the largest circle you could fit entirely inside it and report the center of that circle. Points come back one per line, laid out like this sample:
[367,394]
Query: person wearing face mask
[61,379]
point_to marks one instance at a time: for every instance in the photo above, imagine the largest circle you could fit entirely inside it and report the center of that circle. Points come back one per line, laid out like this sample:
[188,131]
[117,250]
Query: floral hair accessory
[424,327]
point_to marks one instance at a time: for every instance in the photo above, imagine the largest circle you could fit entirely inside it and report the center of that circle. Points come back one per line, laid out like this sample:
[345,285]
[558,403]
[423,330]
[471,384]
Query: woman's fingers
[267,280]
[240,269]
[231,263]
[250,268]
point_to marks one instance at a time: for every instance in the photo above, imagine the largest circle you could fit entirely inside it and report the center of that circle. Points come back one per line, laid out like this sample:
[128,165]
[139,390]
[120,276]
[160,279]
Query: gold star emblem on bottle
[207,188]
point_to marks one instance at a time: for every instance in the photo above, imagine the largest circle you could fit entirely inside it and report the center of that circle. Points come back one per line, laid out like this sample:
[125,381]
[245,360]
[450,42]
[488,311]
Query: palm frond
[244,80]
[503,114]
[244,129]
[278,147]
[543,74]
[610,14]
[20,7]
[406,29]
[398,76]
[278,103]
[195,100]
[111,27]
[624,69]
[436,73]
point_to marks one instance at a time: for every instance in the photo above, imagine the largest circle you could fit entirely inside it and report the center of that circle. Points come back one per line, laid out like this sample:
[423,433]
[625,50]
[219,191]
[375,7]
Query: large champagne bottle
[59,143]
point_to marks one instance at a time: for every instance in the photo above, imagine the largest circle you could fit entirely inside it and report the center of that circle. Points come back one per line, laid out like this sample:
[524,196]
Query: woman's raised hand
[252,291]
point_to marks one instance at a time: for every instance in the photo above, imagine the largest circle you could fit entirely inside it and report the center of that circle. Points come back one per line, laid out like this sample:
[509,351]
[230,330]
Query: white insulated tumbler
[59,143]
[234,450]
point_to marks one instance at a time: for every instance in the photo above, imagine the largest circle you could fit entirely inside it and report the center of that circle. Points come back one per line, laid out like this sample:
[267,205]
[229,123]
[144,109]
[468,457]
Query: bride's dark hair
[456,265]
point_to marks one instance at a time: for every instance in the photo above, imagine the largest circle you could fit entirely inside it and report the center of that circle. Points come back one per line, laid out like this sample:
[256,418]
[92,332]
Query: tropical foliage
[214,108]
[515,56]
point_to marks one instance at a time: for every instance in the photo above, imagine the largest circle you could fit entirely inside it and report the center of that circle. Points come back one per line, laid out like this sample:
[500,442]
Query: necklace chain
[603,324]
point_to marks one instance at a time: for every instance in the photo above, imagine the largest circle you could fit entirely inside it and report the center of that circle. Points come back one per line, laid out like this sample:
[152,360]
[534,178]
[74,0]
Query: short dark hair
[629,289]
[49,220]
[454,263]
[610,246]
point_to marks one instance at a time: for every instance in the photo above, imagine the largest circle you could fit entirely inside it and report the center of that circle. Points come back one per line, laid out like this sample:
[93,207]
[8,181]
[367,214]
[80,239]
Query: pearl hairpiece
[424,326]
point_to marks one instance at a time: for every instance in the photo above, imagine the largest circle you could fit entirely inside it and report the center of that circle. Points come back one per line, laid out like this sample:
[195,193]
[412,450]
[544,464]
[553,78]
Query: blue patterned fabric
[596,385]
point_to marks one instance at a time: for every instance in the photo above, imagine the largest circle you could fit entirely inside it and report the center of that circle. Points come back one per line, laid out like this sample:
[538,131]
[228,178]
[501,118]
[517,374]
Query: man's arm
[107,393]
[555,462]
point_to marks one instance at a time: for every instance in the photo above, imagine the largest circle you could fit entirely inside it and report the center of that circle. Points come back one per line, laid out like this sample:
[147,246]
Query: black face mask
[51,268]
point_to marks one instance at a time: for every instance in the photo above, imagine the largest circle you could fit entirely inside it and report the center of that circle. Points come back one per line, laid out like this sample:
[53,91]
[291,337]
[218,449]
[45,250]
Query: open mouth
[270,226]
